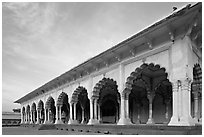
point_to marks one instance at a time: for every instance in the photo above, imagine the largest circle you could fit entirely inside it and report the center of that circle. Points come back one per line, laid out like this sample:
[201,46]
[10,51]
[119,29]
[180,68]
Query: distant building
[11,118]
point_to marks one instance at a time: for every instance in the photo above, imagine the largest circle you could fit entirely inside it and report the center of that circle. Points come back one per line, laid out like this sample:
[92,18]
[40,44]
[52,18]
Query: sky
[40,41]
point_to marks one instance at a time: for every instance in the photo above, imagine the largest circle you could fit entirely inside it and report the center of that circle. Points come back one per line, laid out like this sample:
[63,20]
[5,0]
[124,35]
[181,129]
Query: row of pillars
[182,104]
[181,109]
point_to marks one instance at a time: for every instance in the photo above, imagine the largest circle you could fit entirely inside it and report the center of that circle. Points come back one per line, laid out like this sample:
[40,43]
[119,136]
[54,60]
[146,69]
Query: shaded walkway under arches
[149,93]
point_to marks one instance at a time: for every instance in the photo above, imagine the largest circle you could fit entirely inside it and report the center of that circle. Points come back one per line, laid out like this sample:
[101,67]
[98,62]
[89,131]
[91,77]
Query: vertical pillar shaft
[91,112]
[37,116]
[22,117]
[31,118]
[196,106]
[48,112]
[45,114]
[127,108]
[186,118]
[60,113]
[124,111]
[83,116]
[150,98]
[75,117]
[71,112]
[95,108]
[99,112]
[175,119]
[180,103]
[34,116]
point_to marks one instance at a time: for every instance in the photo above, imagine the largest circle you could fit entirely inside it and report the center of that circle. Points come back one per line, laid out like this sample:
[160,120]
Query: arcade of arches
[146,99]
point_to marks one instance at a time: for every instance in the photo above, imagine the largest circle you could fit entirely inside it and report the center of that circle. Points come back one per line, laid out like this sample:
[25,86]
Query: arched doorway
[28,114]
[41,114]
[63,108]
[106,101]
[150,95]
[50,110]
[196,94]
[81,105]
[33,113]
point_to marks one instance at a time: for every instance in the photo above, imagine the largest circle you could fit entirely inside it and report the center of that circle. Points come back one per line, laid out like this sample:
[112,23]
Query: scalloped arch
[40,105]
[33,107]
[61,98]
[101,84]
[49,102]
[76,93]
[137,74]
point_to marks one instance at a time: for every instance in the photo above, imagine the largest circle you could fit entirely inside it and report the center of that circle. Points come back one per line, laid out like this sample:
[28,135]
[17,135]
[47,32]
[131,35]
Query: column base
[71,121]
[174,121]
[38,122]
[59,122]
[150,121]
[93,122]
[124,121]
[186,121]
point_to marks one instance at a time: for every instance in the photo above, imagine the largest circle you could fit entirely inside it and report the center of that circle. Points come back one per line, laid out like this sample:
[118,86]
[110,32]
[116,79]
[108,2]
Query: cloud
[33,18]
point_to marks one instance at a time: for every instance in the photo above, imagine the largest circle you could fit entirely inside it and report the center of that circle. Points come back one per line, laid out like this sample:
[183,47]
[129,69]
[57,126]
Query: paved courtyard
[34,131]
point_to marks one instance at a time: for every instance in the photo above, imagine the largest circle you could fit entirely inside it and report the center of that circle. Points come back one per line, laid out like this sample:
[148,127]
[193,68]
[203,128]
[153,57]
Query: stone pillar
[95,110]
[83,116]
[31,118]
[180,103]
[40,116]
[186,119]
[196,107]
[60,113]
[22,121]
[48,115]
[45,120]
[150,97]
[71,113]
[57,115]
[99,114]
[175,119]
[75,114]
[91,120]
[38,121]
[34,116]
[124,111]
[25,117]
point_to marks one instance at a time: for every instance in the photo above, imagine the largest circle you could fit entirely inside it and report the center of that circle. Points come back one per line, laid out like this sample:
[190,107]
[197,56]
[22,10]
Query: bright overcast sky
[43,40]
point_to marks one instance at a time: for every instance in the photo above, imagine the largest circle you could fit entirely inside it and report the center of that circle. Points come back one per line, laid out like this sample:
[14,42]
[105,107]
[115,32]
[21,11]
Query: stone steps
[127,129]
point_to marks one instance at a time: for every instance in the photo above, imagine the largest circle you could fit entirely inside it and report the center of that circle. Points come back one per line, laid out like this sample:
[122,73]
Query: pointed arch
[137,74]
[28,108]
[49,102]
[40,105]
[79,90]
[148,86]
[33,107]
[80,98]
[107,97]
[61,98]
